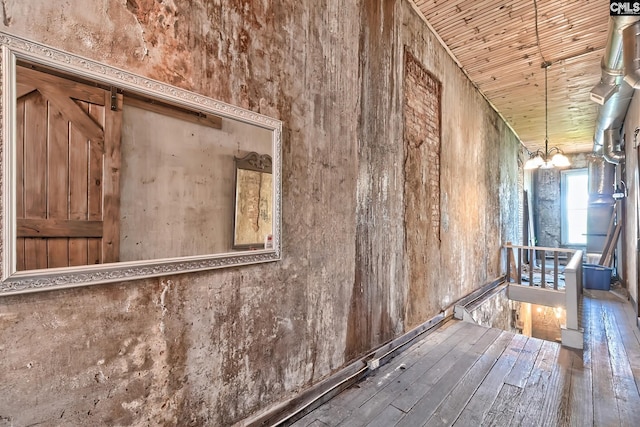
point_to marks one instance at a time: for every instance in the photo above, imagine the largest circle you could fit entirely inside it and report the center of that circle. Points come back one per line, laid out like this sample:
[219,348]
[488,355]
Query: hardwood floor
[468,375]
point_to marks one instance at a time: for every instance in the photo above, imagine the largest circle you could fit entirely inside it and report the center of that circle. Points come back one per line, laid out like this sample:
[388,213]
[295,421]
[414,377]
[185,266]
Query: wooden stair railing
[568,296]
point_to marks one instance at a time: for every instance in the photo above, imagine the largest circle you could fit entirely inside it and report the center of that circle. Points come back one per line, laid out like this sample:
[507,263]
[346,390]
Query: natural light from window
[575,199]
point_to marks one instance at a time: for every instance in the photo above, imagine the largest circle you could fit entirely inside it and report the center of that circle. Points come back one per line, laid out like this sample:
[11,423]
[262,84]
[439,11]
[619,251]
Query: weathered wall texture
[547,200]
[422,132]
[215,347]
[498,311]
[478,184]
[630,230]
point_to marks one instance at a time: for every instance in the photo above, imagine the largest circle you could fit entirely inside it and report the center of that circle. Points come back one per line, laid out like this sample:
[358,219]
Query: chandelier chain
[540,159]
[535,7]
[546,115]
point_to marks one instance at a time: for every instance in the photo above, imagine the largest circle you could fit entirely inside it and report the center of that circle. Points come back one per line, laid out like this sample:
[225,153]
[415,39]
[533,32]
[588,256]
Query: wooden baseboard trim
[480,293]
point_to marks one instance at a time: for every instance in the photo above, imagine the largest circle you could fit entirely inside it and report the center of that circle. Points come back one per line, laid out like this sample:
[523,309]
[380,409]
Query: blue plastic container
[596,277]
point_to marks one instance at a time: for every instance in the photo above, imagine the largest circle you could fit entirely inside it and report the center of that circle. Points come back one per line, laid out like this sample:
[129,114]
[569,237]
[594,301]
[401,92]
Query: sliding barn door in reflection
[67,164]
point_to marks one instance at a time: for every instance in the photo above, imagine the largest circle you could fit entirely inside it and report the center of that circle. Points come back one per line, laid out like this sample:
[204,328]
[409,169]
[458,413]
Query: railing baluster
[535,258]
[508,252]
[520,265]
[555,270]
[543,280]
[570,296]
[532,262]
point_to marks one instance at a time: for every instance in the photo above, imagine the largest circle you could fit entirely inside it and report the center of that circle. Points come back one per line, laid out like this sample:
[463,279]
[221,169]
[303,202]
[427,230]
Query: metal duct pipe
[612,114]
[616,102]
[631,56]
[614,96]
[600,207]
[612,58]
[601,179]
[612,61]
[611,152]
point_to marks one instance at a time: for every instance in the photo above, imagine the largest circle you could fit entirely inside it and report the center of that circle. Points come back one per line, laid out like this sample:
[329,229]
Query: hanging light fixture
[549,158]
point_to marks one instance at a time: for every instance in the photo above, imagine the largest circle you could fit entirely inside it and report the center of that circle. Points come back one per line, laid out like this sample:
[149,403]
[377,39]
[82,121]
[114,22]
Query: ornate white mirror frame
[13,282]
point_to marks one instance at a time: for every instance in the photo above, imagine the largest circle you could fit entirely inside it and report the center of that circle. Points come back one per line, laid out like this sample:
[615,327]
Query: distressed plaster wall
[214,347]
[498,311]
[478,188]
[630,230]
[547,200]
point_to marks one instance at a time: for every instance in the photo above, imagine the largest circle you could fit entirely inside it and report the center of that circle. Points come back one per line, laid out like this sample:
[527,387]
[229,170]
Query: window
[575,198]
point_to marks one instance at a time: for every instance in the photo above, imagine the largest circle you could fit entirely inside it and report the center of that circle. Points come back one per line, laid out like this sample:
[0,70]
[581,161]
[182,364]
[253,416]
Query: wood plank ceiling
[495,43]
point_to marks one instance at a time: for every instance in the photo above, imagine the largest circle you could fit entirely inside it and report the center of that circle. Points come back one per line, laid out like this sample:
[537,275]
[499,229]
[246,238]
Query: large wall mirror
[110,176]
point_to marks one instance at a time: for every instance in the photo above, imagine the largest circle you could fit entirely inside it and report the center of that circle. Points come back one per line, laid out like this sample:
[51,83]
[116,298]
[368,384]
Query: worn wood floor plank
[537,387]
[387,373]
[520,373]
[403,362]
[424,408]
[555,411]
[411,395]
[374,406]
[580,411]
[331,413]
[605,405]
[631,342]
[342,407]
[503,408]
[389,417]
[454,403]
[468,378]
[625,389]
[502,411]
[484,397]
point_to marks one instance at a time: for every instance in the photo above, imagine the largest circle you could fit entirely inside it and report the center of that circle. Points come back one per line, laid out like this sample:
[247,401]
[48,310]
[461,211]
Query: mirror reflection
[106,175]
[253,220]
[178,183]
